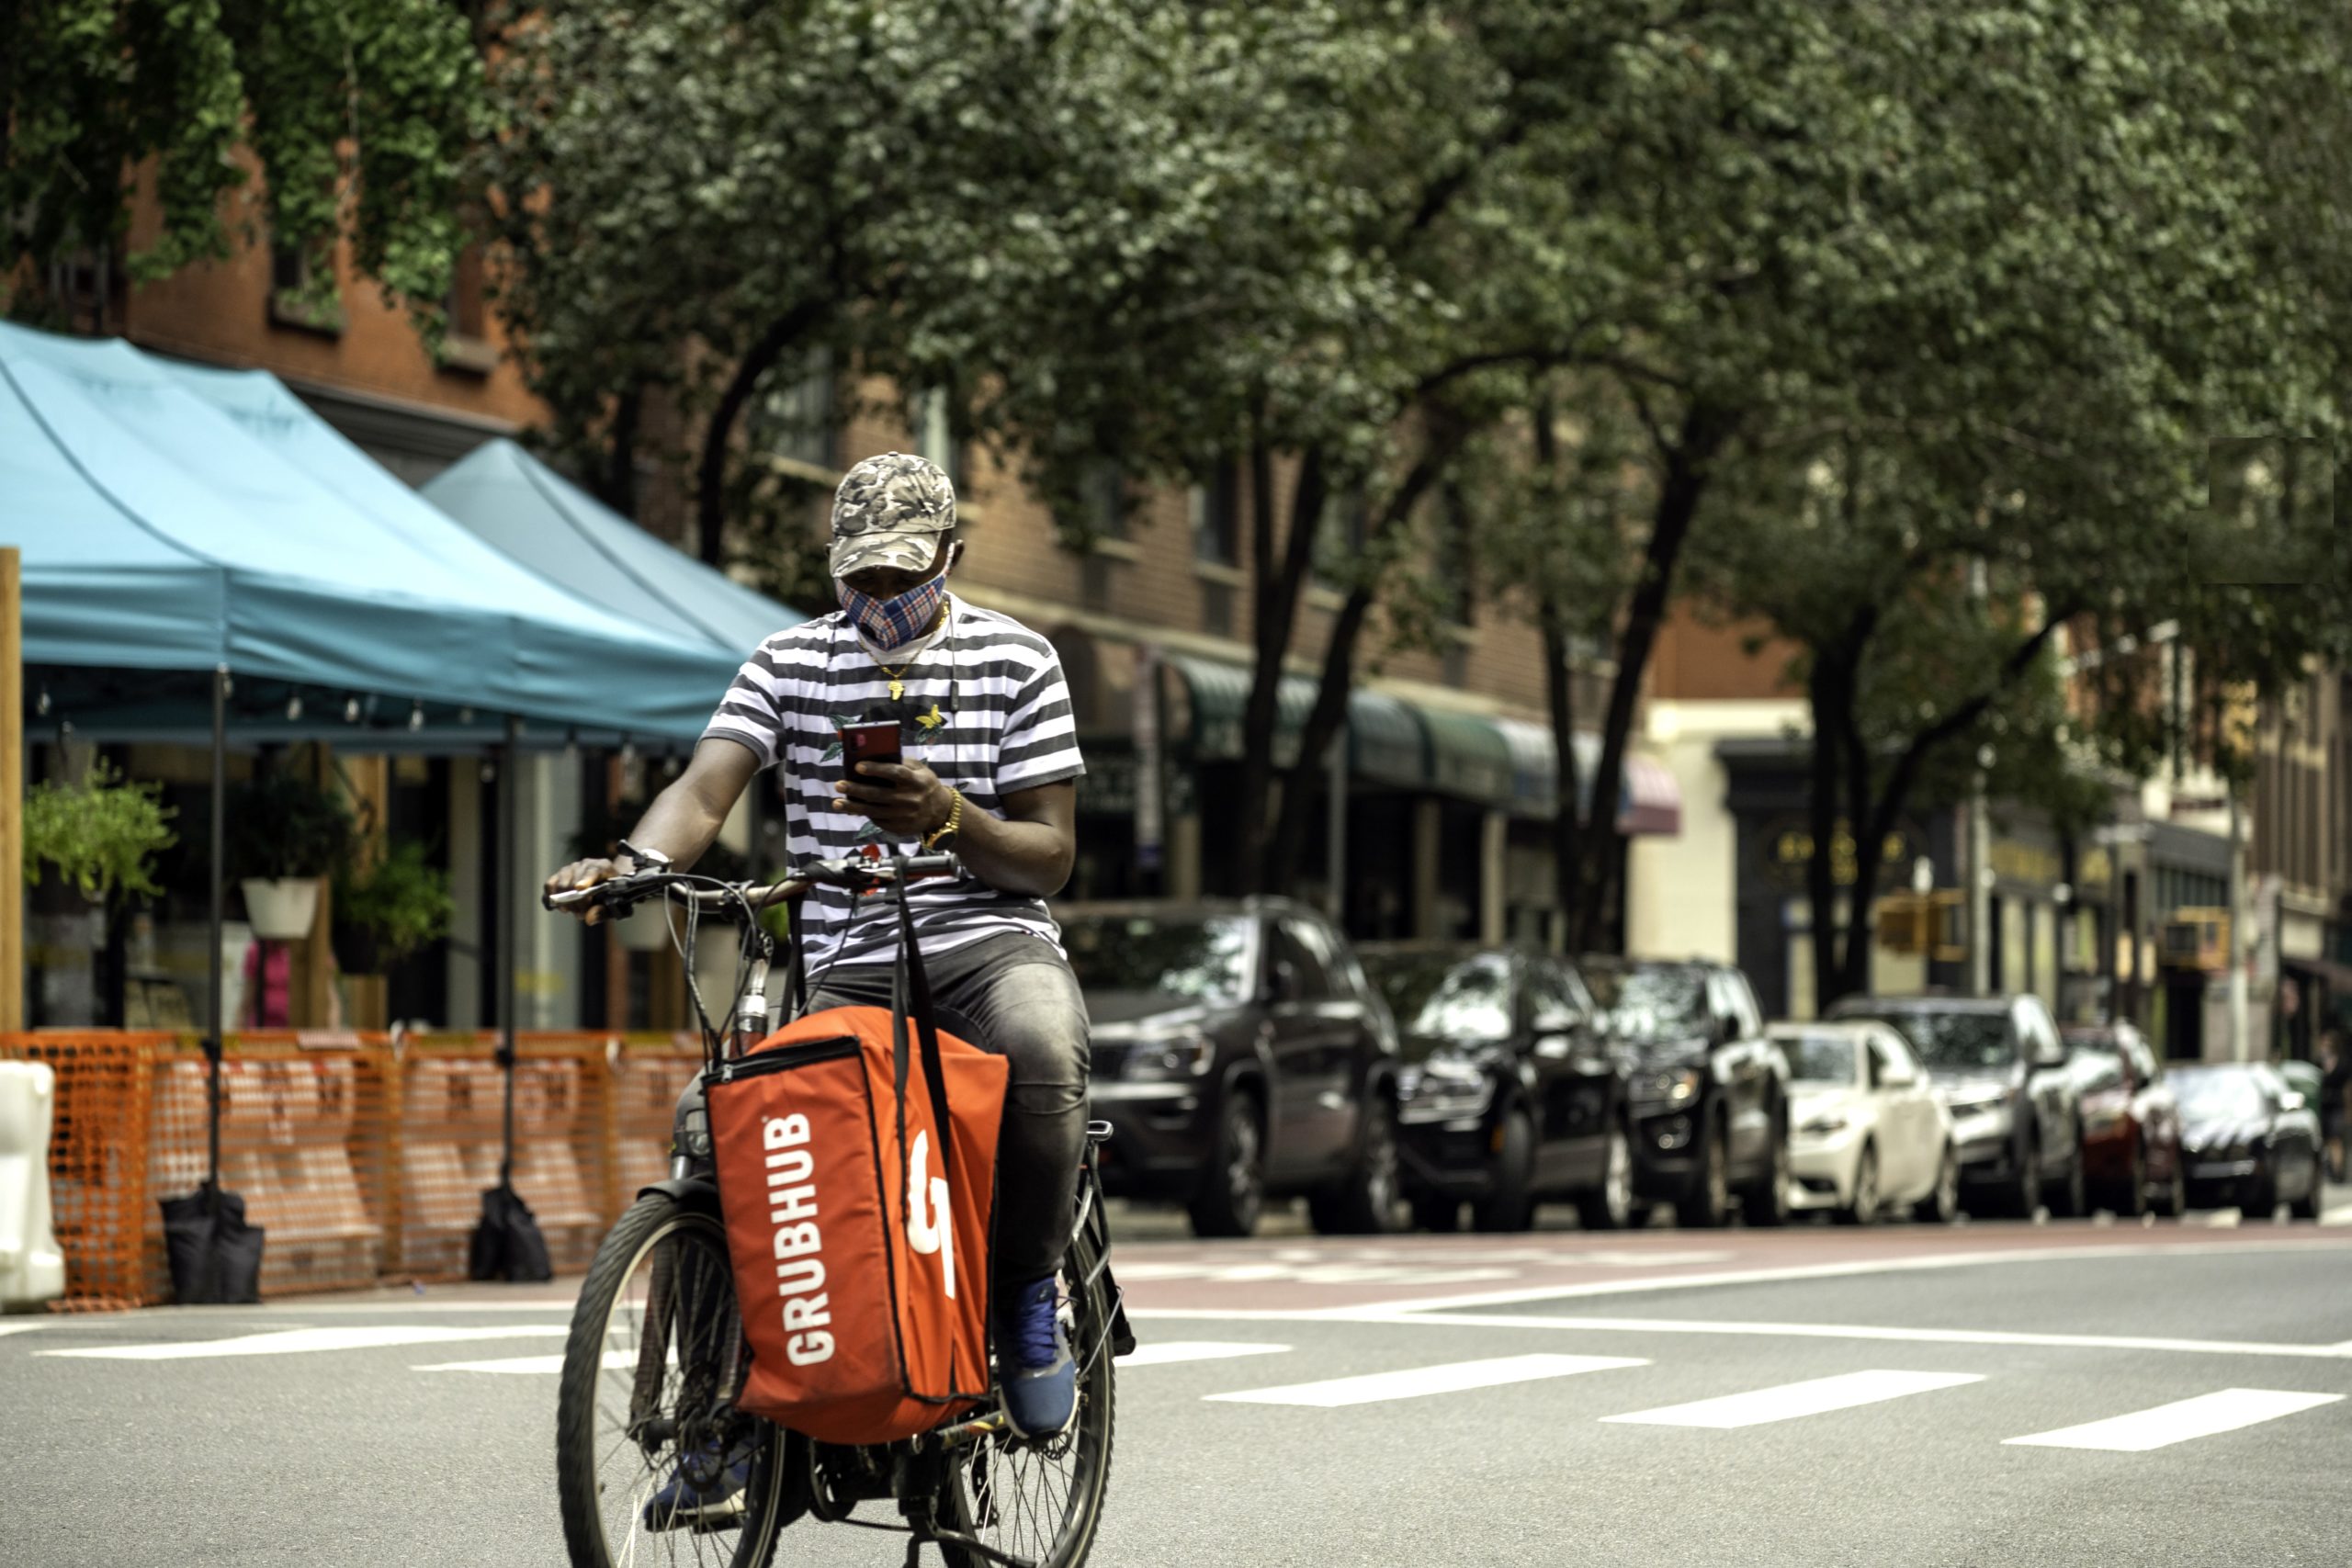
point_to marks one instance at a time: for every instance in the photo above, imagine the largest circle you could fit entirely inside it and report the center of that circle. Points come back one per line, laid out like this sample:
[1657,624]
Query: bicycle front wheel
[1044,1500]
[653,1462]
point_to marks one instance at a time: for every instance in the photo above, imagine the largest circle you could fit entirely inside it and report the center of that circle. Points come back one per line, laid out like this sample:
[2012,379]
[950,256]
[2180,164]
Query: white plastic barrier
[32,1269]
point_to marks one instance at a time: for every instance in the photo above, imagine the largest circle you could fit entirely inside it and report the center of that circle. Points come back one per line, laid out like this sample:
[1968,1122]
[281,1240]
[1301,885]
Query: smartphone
[869,743]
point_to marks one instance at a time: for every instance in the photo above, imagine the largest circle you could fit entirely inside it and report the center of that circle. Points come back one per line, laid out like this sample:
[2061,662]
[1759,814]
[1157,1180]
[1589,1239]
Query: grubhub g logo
[930,1226]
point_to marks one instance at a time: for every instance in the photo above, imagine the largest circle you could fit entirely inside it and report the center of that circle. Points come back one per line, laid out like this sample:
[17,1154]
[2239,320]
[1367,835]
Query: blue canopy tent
[184,529]
[520,505]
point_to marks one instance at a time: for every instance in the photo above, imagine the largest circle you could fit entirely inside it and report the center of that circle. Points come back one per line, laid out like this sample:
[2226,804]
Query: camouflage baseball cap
[894,510]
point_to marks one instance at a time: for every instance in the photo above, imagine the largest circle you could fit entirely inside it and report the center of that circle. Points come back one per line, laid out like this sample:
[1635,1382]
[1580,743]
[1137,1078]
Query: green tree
[357,115]
[699,199]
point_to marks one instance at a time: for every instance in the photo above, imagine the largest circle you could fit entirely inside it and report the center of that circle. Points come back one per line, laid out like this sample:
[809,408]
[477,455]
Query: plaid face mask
[894,622]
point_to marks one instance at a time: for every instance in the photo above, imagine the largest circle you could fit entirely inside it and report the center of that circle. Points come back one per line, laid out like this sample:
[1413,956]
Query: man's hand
[904,799]
[587,874]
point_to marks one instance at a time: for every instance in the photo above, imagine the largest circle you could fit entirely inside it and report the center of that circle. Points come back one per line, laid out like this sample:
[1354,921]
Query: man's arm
[684,820]
[1030,849]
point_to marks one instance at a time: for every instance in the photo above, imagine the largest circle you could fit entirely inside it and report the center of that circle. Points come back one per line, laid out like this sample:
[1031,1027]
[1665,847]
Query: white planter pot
[282,909]
[647,929]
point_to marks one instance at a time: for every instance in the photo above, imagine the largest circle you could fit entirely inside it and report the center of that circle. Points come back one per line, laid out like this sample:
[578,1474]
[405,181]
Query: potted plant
[385,911]
[102,834]
[288,833]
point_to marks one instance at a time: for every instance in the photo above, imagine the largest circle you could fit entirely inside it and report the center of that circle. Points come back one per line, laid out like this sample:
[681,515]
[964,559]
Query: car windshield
[2217,1092]
[1653,1001]
[1954,1039]
[1819,1058]
[1175,959]
[1446,996]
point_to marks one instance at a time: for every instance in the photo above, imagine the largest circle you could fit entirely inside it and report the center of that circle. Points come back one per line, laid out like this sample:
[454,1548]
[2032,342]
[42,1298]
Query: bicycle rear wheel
[655,1357]
[1044,1500]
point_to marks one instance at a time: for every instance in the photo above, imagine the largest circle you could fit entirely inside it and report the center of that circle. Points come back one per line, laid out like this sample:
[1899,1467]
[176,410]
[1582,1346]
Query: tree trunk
[1559,682]
[1829,690]
[1277,582]
[1703,431]
[1854,962]
[710,479]
[1338,671]
[616,486]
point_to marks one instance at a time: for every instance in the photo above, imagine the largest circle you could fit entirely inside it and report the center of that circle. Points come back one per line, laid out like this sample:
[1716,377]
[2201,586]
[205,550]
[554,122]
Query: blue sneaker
[1032,1362]
[714,1500]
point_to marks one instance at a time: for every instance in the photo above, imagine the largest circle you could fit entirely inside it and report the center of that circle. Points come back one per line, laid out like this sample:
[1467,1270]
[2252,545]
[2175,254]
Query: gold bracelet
[954,818]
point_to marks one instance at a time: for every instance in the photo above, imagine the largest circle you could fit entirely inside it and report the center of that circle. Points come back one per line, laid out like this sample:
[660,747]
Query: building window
[1341,538]
[297,297]
[1216,515]
[1457,588]
[1106,500]
[934,433]
[794,417]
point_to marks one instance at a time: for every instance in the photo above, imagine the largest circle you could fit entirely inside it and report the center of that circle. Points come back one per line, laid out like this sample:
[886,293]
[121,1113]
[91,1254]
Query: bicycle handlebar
[621,894]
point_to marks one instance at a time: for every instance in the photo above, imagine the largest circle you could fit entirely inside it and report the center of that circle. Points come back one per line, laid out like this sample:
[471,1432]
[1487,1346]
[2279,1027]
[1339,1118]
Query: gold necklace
[897,685]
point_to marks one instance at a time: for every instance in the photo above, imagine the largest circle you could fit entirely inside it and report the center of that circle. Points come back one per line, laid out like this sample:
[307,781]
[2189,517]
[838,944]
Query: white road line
[1170,1352]
[1874,1332]
[297,1341]
[24,1327]
[526,1365]
[1814,1396]
[1379,1311]
[2204,1416]
[1455,1377]
[2342,1216]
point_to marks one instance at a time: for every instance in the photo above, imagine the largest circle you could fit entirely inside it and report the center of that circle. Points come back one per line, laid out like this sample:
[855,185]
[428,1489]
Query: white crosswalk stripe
[529,1366]
[1814,1396]
[2204,1416]
[1456,1377]
[1170,1352]
[301,1341]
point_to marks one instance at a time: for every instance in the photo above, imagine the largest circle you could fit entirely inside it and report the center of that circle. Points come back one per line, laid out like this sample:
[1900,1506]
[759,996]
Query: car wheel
[1364,1201]
[2173,1201]
[1443,1216]
[1232,1193]
[2132,1201]
[1862,1210]
[1705,1205]
[1510,1204]
[2025,1190]
[1610,1206]
[1941,1206]
[2070,1200]
[1766,1201]
[2258,1197]
[2307,1206]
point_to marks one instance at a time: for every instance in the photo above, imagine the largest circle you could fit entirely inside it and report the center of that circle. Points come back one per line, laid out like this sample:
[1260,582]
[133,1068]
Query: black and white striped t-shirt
[983,706]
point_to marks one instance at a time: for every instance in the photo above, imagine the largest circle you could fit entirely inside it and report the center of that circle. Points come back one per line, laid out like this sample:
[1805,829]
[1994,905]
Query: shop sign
[1789,850]
[2013,861]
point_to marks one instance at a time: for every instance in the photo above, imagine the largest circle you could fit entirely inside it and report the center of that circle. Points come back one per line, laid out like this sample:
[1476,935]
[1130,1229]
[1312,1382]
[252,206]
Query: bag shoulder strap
[911,998]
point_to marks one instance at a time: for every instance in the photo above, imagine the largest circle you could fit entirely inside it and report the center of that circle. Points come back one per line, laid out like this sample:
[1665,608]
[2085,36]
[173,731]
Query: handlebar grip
[568,899]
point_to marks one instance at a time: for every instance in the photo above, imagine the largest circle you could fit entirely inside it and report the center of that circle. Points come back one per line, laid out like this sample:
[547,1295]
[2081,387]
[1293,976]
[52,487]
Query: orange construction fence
[362,1155]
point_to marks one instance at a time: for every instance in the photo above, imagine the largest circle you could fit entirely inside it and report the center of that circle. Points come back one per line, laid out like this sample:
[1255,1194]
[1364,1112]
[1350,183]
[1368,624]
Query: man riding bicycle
[989,757]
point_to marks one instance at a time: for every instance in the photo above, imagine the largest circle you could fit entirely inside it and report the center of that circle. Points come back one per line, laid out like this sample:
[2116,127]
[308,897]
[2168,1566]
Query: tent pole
[509,821]
[217,875]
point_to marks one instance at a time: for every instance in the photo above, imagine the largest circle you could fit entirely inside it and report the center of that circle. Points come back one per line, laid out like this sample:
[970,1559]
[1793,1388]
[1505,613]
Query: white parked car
[1867,1134]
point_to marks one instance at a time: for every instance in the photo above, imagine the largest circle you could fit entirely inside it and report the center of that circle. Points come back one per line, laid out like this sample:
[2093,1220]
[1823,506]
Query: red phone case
[869,743]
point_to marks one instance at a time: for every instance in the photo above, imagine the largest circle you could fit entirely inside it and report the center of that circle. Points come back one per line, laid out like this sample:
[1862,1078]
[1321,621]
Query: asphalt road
[1814,1396]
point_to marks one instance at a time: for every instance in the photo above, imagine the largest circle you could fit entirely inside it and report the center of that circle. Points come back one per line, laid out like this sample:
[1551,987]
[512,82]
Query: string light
[415,717]
[40,704]
[465,716]
[293,707]
[351,710]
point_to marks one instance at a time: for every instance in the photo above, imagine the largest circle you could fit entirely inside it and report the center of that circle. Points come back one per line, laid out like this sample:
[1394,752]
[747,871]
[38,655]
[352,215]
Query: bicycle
[659,1308]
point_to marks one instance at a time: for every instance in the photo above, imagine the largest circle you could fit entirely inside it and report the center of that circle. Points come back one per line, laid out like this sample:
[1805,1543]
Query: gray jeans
[1019,994]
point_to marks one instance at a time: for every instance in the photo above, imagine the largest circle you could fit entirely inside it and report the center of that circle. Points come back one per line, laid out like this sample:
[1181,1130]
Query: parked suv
[1709,1091]
[2004,1074]
[1239,1052]
[1511,1092]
